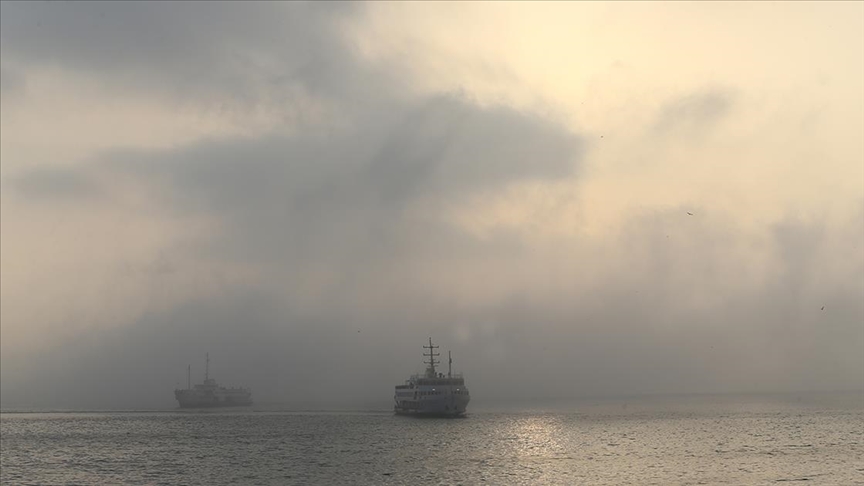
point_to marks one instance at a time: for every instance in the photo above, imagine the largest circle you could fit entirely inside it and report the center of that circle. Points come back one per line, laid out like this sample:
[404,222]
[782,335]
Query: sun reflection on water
[536,436]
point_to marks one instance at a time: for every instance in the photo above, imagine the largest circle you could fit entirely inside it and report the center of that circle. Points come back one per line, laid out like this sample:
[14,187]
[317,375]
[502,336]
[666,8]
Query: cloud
[11,82]
[338,238]
[55,185]
[278,194]
[174,40]
[280,58]
[696,111]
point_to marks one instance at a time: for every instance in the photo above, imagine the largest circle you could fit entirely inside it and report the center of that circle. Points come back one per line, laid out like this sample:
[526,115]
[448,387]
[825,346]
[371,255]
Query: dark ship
[210,394]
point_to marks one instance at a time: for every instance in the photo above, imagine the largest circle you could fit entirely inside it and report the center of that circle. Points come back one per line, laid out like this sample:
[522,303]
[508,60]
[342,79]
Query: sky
[576,199]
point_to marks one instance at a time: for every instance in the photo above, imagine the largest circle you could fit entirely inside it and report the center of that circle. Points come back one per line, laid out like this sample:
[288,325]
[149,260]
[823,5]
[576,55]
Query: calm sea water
[711,442]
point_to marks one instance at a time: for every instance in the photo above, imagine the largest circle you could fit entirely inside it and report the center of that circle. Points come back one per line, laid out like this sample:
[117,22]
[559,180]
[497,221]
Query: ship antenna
[432,361]
[449,365]
[207,368]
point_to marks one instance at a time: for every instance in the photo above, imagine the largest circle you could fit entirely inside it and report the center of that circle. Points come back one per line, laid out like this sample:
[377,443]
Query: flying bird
[688,212]
[823,308]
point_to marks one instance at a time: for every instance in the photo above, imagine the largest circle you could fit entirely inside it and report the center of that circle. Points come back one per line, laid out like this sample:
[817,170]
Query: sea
[738,440]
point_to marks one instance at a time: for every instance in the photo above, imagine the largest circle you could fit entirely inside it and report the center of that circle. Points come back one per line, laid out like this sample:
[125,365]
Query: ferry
[433,394]
[210,394]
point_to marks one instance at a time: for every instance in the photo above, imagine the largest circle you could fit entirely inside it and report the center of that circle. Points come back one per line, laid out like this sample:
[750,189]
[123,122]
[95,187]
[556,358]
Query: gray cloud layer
[181,49]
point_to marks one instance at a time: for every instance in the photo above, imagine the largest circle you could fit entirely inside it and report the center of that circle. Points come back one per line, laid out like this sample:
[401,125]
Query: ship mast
[207,369]
[189,377]
[449,365]
[430,371]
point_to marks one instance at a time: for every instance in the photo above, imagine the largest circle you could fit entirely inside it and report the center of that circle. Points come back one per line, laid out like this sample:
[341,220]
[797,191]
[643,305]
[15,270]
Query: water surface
[713,442]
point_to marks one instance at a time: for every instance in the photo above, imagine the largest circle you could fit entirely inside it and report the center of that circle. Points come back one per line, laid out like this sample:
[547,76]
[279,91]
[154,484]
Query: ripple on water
[371,448]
